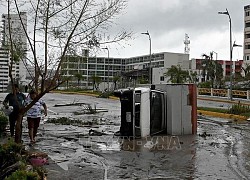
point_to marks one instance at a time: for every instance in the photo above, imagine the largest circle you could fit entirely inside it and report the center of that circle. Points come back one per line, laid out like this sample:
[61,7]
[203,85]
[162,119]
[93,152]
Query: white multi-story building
[17,70]
[4,69]
[131,68]
[15,26]
[247,34]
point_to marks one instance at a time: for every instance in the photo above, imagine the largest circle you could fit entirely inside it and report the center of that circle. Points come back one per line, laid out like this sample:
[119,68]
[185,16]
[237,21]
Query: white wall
[169,60]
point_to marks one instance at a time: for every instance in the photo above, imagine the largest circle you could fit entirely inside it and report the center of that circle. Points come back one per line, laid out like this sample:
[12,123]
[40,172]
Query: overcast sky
[168,20]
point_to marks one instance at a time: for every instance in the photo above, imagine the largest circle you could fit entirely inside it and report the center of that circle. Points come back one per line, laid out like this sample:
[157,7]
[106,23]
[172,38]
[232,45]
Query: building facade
[247,34]
[196,66]
[15,26]
[17,70]
[128,69]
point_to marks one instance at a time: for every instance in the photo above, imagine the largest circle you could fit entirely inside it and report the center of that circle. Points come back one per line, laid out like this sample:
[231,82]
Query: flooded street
[220,150]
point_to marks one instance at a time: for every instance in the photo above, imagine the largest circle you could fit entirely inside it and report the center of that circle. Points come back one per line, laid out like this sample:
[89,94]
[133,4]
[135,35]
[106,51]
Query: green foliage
[206,84]
[142,80]
[10,153]
[212,70]
[3,123]
[239,109]
[177,75]
[193,77]
[23,175]
[96,80]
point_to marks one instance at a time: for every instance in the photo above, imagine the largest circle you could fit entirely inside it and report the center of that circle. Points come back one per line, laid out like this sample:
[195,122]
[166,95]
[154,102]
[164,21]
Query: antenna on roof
[186,42]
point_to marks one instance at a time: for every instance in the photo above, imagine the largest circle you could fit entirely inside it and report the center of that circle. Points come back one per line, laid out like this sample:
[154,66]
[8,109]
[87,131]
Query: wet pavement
[220,150]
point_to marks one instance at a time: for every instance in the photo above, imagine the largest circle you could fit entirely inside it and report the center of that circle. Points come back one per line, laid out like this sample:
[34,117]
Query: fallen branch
[70,104]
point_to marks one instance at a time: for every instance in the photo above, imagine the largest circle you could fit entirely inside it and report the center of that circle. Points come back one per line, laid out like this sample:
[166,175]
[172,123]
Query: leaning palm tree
[177,75]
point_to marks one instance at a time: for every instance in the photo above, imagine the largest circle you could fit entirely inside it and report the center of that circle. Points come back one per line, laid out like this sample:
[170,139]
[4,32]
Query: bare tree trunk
[18,128]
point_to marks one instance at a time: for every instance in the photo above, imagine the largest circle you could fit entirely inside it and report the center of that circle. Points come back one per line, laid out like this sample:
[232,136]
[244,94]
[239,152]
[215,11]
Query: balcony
[247,40]
[247,18]
[247,29]
[247,51]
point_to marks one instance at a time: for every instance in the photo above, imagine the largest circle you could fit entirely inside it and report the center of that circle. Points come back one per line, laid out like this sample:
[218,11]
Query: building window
[162,78]
[247,35]
[247,13]
[247,24]
[247,46]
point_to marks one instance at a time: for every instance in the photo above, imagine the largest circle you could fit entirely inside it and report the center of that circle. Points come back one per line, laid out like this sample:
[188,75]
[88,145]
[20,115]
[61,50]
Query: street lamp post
[108,64]
[231,52]
[150,73]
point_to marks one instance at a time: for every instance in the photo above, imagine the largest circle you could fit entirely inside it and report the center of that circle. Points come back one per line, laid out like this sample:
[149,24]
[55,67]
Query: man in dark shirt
[16,102]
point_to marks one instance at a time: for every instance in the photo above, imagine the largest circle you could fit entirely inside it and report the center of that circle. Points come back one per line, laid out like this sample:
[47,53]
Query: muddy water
[220,150]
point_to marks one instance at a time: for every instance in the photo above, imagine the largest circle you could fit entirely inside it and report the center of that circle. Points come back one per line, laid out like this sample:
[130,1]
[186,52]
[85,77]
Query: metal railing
[224,93]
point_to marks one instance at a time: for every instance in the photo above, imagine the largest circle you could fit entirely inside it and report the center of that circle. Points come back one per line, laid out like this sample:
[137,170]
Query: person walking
[34,115]
[16,100]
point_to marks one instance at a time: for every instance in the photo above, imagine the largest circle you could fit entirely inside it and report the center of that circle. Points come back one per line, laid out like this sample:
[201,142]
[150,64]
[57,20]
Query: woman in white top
[34,114]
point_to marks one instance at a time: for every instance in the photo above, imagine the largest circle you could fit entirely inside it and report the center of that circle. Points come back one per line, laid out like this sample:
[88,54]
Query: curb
[222,115]
[86,94]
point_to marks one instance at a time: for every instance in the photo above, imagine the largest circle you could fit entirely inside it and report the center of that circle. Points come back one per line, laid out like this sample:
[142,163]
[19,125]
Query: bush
[10,153]
[23,175]
[3,123]
[239,109]
[206,84]
[14,163]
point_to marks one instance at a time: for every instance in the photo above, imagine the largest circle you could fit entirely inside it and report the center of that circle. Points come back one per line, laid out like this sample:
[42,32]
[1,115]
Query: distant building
[247,34]
[15,26]
[17,70]
[196,66]
[130,69]
[20,41]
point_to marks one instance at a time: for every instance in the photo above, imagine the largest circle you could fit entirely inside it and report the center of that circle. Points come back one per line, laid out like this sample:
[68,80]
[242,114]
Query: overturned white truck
[164,108]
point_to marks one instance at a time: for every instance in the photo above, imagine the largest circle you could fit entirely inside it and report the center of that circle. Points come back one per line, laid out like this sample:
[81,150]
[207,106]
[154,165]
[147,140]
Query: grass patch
[219,110]
[237,109]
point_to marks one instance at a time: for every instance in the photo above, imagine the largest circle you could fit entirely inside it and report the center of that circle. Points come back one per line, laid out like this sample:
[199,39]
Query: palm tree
[212,69]
[115,80]
[79,78]
[177,75]
[246,70]
[96,80]
[193,77]
[218,74]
